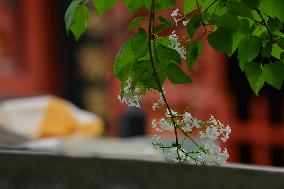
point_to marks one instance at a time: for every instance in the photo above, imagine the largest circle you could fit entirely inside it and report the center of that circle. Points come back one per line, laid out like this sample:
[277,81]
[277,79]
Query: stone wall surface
[46,171]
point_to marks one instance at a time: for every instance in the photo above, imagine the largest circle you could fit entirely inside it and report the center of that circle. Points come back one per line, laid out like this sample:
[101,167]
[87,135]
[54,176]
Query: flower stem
[151,38]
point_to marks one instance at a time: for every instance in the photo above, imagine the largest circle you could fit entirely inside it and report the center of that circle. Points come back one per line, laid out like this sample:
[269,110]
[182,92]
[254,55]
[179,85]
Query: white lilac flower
[130,97]
[155,106]
[212,154]
[165,125]
[187,117]
[168,113]
[171,155]
[175,14]
[154,123]
[174,38]
[187,127]
[175,44]
[226,132]
[196,123]
[185,22]
[208,152]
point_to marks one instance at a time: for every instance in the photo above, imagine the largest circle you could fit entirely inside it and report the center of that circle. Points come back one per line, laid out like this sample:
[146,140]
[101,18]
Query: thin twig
[150,38]
[200,15]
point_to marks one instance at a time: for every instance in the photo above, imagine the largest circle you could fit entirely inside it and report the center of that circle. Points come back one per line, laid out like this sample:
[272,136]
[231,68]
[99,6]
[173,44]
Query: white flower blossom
[207,150]
[130,97]
[187,117]
[185,22]
[196,123]
[154,123]
[175,14]
[175,44]
[155,106]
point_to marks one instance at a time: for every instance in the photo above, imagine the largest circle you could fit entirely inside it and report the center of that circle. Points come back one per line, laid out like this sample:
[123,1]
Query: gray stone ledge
[30,170]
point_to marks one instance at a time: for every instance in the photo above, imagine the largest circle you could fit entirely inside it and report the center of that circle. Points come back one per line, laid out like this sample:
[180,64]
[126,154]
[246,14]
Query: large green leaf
[221,40]
[134,5]
[239,9]
[273,8]
[276,51]
[140,44]
[227,20]
[192,25]
[76,19]
[274,24]
[253,4]
[280,42]
[267,49]
[124,60]
[209,5]
[135,23]
[176,75]
[189,6]
[274,74]
[192,53]
[165,24]
[165,4]
[167,55]
[249,48]
[69,14]
[255,76]
[103,5]
[237,36]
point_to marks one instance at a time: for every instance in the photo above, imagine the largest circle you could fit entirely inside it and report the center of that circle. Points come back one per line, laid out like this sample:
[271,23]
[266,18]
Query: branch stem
[151,37]
[265,24]
[200,15]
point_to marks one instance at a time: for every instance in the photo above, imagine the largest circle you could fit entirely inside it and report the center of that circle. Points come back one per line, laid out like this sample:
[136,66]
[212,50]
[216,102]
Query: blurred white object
[48,116]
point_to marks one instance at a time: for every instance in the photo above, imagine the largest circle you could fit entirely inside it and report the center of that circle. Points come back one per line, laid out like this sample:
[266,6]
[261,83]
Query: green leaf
[274,8]
[77,20]
[280,42]
[255,76]
[237,36]
[206,3]
[267,49]
[189,6]
[282,57]
[142,72]
[124,60]
[167,55]
[249,48]
[134,5]
[140,44]
[274,74]
[69,14]
[253,4]
[192,25]
[274,24]
[239,9]
[148,4]
[103,5]
[176,75]
[192,53]
[276,51]
[165,4]
[228,20]
[221,40]
[166,23]
[136,22]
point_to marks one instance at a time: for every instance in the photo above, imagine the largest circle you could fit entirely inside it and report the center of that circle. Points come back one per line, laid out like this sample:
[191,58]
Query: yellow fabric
[58,120]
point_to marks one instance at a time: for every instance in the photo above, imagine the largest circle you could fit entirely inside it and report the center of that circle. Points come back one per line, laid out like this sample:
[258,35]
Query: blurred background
[38,58]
